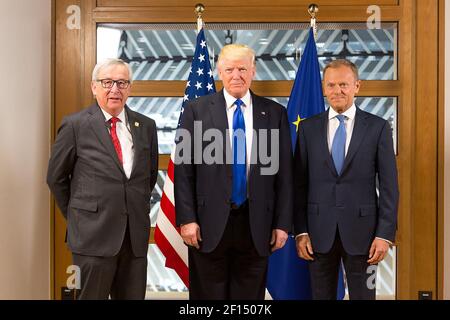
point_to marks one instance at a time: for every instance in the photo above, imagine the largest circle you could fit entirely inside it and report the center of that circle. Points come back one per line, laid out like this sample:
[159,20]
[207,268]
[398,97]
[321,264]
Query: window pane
[386,275]
[160,278]
[165,112]
[164,51]
[384,107]
[156,196]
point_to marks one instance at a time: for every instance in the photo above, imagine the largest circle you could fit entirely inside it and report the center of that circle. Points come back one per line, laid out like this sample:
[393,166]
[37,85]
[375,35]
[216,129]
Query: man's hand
[278,240]
[378,251]
[191,234]
[304,247]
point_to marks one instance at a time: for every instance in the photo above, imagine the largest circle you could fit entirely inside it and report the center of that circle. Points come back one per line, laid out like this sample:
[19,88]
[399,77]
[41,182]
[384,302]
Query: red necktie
[115,138]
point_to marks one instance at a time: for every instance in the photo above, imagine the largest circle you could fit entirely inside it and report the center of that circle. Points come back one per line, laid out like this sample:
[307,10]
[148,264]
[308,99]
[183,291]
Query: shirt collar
[121,116]
[230,100]
[349,113]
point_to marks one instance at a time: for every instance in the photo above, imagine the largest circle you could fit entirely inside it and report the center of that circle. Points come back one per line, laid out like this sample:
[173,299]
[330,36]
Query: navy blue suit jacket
[203,191]
[326,202]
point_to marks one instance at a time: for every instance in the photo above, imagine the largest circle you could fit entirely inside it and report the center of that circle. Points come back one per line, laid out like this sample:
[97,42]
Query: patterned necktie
[239,191]
[115,138]
[338,146]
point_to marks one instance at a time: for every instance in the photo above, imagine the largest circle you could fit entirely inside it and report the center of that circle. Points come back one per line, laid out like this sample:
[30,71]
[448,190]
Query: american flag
[167,235]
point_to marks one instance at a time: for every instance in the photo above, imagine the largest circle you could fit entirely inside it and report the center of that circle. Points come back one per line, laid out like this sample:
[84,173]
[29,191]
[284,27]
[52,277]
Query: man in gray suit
[102,170]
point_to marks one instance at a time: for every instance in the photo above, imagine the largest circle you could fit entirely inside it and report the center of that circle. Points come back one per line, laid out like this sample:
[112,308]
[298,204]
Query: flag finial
[199,8]
[313,9]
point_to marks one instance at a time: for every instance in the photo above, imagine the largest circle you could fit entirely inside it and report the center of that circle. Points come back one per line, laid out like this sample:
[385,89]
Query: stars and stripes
[167,236]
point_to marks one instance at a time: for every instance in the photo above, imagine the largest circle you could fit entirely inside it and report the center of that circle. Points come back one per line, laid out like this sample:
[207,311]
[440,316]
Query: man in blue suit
[342,156]
[233,214]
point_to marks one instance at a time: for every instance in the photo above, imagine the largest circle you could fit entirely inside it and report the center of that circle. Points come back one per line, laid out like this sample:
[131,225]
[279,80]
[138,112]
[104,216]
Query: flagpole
[199,8]
[313,9]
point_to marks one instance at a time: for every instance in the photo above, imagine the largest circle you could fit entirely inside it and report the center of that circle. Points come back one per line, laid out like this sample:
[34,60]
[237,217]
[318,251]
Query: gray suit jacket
[91,188]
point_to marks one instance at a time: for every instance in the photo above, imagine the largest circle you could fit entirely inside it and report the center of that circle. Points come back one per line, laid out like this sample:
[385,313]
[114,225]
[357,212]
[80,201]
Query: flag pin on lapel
[136,124]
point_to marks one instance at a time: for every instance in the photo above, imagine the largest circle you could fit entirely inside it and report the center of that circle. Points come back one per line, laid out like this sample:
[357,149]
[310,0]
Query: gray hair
[111,62]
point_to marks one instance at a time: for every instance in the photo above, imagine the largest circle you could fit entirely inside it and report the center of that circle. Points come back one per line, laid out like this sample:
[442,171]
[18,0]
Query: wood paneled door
[409,84]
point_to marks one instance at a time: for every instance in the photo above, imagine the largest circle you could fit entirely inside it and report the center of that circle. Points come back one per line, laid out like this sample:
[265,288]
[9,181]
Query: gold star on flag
[297,122]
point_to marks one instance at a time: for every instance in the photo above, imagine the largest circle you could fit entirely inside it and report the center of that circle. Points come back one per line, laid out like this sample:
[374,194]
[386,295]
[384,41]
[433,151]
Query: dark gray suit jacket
[203,191]
[91,188]
[325,201]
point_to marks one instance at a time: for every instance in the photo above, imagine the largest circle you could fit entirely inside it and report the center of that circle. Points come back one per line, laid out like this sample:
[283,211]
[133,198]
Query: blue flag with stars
[288,275]
[200,81]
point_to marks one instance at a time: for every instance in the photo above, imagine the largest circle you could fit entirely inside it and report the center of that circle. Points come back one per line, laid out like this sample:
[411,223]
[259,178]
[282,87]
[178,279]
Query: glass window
[164,51]
[159,278]
[165,111]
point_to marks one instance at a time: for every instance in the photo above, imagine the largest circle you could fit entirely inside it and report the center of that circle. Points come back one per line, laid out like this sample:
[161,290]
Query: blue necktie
[239,191]
[338,146]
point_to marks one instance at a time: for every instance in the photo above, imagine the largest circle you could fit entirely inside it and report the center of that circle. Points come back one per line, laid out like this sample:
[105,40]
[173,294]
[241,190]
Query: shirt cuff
[390,243]
[301,234]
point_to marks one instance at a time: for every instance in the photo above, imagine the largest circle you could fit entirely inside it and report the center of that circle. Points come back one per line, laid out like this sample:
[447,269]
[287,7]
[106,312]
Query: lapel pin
[263,113]
[136,124]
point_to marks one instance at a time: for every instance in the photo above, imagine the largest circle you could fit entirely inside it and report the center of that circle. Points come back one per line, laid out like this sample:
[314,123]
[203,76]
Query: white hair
[110,62]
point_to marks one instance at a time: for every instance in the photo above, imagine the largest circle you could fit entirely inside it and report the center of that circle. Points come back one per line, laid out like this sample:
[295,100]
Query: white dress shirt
[247,111]
[125,138]
[333,124]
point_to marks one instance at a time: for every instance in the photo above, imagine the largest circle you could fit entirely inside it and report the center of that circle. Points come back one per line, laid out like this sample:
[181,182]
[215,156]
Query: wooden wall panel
[441,143]
[424,188]
[67,99]
[236,3]
[282,88]
[406,131]
[244,14]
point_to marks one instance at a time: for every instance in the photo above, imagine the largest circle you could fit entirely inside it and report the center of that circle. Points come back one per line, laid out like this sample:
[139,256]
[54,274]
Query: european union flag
[288,275]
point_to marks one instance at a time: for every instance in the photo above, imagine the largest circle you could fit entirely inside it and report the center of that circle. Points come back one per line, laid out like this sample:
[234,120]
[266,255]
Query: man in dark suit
[102,169]
[232,213]
[342,155]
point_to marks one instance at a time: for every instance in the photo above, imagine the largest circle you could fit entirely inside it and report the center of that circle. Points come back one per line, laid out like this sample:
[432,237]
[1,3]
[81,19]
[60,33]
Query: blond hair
[236,50]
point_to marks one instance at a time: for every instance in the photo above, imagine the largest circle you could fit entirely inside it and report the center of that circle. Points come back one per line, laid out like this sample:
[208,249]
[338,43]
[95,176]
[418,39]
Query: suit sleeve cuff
[390,243]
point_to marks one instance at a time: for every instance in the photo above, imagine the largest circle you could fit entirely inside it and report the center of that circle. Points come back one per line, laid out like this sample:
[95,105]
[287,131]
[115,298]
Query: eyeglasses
[109,83]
